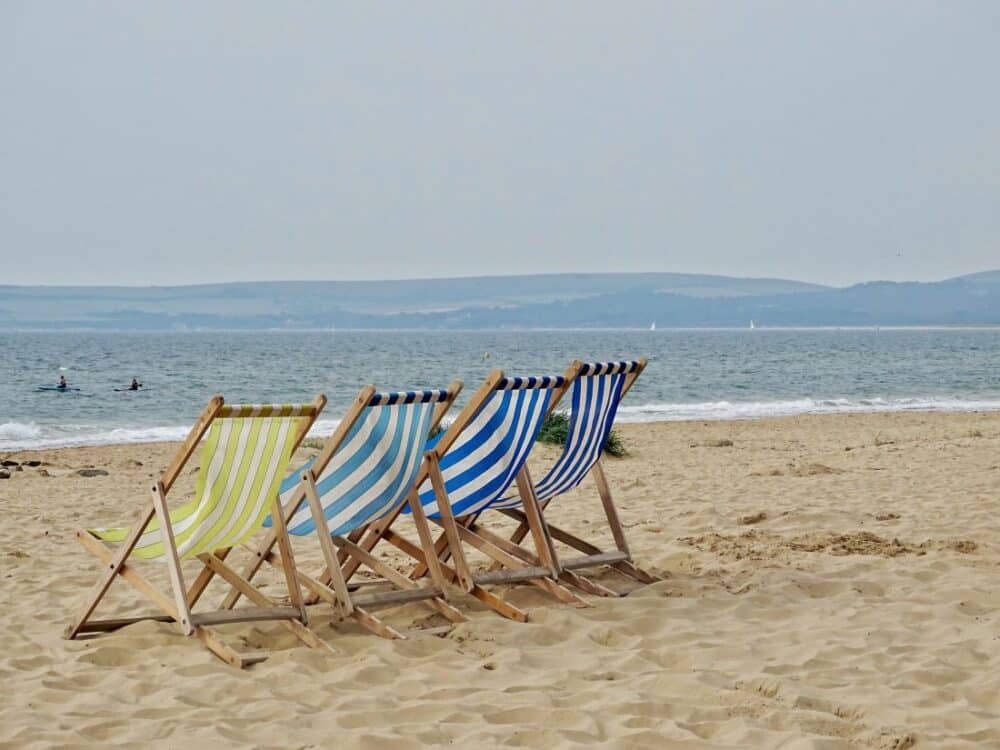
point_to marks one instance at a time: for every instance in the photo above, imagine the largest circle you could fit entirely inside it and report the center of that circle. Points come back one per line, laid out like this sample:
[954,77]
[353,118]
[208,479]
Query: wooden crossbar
[246,614]
[511,576]
[590,561]
[382,598]
[116,623]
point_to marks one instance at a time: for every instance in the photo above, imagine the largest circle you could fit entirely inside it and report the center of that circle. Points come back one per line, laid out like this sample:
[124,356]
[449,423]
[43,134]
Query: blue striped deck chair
[245,451]
[596,391]
[365,472]
[471,466]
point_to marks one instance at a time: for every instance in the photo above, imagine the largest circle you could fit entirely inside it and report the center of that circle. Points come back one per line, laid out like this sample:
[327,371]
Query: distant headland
[614,300]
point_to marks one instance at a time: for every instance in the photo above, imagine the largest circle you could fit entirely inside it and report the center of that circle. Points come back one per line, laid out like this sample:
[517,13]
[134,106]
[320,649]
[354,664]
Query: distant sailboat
[652,326]
[752,326]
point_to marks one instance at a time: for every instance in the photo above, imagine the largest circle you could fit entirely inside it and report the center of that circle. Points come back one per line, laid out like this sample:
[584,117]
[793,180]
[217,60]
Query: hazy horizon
[158,144]
[492,276]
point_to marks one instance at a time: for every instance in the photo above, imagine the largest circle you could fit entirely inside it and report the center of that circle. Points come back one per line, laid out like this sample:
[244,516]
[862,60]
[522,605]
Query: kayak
[56,388]
[126,390]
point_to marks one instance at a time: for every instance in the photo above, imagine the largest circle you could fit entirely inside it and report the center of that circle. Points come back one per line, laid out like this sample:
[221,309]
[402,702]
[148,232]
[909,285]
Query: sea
[692,374]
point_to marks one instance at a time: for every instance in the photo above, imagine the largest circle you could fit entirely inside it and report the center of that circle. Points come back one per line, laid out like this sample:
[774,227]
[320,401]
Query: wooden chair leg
[376,625]
[440,548]
[617,531]
[326,545]
[214,643]
[427,542]
[543,542]
[447,520]
[498,604]
[173,560]
[288,560]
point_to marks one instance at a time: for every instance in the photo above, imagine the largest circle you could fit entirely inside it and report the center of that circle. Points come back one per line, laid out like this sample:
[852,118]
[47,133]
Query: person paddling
[62,383]
[136,385]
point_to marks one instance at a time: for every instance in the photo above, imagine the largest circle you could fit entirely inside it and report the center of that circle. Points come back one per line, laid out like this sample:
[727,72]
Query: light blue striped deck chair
[473,464]
[365,472]
[244,454]
[596,391]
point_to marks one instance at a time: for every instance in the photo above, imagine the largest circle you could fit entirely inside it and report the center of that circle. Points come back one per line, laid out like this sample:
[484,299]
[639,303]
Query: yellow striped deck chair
[245,451]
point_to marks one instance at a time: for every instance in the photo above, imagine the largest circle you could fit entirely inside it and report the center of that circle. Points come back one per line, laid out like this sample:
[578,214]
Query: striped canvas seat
[374,467]
[596,391]
[243,458]
[486,457]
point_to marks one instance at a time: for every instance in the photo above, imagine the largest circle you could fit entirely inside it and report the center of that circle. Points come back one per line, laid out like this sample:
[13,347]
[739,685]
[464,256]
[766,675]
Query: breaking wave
[788,408]
[30,436]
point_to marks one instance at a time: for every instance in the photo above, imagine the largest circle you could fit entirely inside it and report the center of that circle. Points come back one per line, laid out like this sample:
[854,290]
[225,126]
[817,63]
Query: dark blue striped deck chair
[472,465]
[366,471]
[596,391]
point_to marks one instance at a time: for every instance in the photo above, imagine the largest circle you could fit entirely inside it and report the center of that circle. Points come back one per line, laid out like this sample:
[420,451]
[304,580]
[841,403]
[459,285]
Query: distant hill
[985,278]
[535,301]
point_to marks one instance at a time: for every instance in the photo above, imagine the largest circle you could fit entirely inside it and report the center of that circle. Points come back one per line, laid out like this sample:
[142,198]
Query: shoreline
[630,429]
[628,415]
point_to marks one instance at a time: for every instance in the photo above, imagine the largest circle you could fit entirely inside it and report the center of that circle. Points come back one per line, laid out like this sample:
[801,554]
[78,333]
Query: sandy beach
[829,582]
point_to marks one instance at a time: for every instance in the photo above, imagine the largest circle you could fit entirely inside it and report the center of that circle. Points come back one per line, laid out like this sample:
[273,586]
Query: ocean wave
[30,436]
[713,410]
[18,431]
[21,436]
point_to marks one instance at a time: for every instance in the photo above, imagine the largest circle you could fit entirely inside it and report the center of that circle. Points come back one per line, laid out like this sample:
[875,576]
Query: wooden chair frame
[619,559]
[178,608]
[331,585]
[540,569]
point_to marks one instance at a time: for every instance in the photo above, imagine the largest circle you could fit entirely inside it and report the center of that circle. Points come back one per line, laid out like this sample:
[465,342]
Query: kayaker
[62,383]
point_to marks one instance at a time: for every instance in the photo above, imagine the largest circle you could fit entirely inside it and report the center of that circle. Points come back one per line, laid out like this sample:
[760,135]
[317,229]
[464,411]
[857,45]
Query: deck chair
[243,458]
[471,466]
[365,471]
[597,389]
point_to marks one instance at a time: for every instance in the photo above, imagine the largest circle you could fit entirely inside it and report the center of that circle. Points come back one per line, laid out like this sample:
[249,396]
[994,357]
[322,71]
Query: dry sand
[829,582]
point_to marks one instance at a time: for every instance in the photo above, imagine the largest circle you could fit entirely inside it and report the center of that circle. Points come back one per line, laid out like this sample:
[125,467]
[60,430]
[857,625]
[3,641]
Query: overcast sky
[167,142]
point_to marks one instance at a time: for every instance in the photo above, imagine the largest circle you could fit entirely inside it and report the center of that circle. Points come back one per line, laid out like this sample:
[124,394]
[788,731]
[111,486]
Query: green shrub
[555,428]
[614,446]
